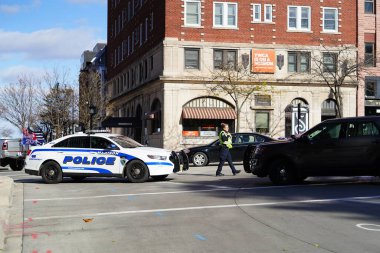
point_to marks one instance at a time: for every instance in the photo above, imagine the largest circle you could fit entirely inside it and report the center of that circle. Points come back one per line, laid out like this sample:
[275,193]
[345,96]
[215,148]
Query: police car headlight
[157,157]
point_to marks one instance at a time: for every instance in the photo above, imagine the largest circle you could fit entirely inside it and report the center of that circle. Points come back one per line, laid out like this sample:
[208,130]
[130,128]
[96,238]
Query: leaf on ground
[88,220]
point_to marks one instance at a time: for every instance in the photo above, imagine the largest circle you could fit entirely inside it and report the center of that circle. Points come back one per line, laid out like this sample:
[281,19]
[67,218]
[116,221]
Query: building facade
[163,57]
[368,46]
[92,85]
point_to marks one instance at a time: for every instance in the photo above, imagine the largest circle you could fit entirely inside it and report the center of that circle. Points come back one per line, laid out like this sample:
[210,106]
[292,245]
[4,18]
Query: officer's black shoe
[237,172]
[220,175]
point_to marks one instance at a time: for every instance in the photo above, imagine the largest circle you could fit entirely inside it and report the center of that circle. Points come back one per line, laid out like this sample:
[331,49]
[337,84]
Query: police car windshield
[125,142]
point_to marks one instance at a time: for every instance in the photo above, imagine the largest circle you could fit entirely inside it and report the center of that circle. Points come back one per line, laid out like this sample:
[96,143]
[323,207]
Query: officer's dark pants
[225,155]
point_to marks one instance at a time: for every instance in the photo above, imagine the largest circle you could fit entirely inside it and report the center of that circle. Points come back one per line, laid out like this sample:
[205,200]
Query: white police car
[101,155]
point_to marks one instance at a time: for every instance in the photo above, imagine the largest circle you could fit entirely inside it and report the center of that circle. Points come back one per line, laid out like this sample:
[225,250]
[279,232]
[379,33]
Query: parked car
[203,155]
[337,147]
[12,153]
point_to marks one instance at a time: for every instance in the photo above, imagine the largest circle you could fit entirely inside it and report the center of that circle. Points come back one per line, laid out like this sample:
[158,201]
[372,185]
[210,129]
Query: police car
[96,154]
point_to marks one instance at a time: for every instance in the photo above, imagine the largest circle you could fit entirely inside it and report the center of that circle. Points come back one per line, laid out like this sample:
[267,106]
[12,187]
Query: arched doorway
[201,117]
[138,131]
[296,117]
[329,110]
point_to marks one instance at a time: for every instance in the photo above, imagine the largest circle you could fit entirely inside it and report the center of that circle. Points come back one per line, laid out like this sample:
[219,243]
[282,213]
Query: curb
[6,190]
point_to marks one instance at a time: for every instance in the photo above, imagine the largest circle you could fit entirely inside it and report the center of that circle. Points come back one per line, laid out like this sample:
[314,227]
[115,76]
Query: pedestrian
[225,142]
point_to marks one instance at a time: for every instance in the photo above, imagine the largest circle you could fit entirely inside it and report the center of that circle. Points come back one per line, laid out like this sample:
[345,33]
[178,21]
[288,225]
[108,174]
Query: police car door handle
[61,152]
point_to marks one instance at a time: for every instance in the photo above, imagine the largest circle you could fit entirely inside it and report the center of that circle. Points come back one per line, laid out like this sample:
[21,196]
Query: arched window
[296,117]
[156,121]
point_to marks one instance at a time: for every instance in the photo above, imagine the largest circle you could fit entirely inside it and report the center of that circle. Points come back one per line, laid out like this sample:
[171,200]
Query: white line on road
[369,227]
[172,192]
[206,185]
[202,208]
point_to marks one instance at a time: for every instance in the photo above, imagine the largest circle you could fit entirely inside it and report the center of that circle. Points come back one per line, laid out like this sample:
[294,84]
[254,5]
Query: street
[195,211]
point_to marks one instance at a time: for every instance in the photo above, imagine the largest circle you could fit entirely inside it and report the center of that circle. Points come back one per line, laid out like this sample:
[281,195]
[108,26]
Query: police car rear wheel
[137,172]
[161,177]
[51,173]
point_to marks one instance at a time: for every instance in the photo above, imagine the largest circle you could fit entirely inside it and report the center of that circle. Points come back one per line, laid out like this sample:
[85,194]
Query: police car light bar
[97,131]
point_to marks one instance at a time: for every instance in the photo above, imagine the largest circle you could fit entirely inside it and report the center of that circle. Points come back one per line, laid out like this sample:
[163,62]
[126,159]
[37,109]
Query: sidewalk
[6,197]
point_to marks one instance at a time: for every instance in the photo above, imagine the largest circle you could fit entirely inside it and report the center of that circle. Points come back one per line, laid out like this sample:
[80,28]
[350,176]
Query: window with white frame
[257,12]
[192,13]
[268,13]
[225,14]
[330,19]
[299,18]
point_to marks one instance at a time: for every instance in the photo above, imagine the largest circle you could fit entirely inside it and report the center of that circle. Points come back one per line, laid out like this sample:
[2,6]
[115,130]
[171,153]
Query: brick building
[162,54]
[368,46]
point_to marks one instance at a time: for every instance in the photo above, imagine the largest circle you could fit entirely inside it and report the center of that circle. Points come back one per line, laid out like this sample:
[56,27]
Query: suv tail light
[5,146]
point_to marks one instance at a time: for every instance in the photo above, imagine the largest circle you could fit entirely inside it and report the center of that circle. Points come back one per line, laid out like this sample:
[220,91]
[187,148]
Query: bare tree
[6,132]
[20,102]
[336,67]
[239,84]
[90,94]
[59,107]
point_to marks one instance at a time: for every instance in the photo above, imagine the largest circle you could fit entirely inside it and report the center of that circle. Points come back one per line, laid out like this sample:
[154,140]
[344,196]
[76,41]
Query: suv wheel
[248,159]
[51,173]
[281,173]
[200,159]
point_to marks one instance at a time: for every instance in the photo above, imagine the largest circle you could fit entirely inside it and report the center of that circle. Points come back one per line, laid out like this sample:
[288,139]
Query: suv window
[100,143]
[362,129]
[74,142]
[326,132]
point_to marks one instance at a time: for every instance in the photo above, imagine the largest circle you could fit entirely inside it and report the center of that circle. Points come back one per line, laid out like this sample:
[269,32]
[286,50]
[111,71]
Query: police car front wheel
[51,173]
[137,172]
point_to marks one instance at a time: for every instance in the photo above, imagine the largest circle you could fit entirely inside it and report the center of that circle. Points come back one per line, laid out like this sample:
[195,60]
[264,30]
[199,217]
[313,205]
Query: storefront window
[204,127]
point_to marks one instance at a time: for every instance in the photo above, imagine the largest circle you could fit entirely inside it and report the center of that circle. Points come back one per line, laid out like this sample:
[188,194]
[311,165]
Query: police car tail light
[28,153]
[158,157]
[5,146]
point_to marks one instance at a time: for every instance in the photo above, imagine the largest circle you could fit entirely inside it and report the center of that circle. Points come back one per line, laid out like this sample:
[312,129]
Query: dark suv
[337,147]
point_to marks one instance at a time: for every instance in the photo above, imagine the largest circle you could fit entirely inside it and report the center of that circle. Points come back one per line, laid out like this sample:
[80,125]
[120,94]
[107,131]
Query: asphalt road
[196,212]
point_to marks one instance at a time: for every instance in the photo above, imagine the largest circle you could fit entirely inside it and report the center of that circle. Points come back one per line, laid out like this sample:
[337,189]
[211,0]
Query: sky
[40,35]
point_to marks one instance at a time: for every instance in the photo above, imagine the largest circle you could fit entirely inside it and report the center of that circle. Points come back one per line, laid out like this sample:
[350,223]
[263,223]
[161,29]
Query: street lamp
[92,112]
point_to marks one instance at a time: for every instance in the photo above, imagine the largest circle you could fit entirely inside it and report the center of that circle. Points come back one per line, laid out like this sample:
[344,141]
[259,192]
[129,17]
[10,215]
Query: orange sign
[190,133]
[263,61]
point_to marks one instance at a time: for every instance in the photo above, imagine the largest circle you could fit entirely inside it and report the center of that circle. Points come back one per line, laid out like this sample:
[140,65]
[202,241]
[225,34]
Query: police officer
[225,140]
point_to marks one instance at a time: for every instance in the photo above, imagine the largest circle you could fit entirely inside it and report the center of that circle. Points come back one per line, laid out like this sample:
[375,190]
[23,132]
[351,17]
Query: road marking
[375,227]
[205,185]
[173,192]
[193,208]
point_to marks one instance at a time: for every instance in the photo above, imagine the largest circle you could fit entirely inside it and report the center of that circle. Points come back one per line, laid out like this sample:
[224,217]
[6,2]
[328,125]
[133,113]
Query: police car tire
[161,177]
[136,166]
[197,156]
[51,179]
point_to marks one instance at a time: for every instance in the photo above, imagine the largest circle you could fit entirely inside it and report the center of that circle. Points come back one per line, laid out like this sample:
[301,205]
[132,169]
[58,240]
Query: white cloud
[88,1]
[56,43]
[10,9]
[13,73]
[16,8]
